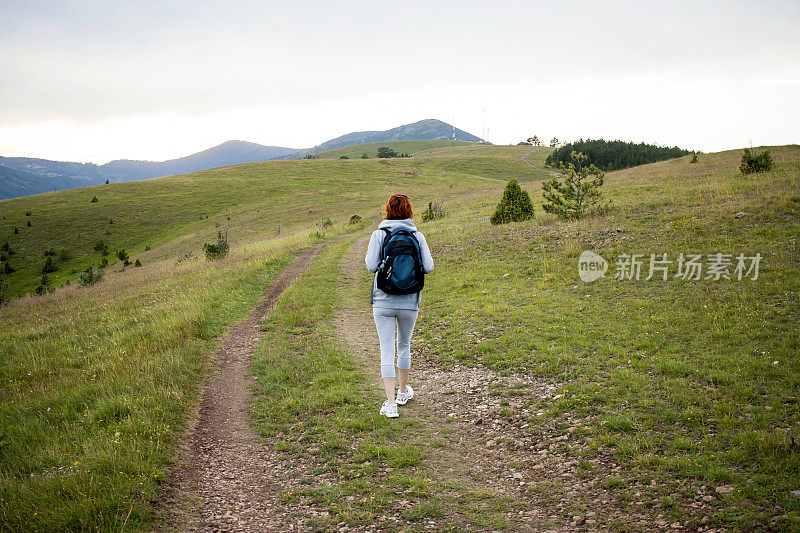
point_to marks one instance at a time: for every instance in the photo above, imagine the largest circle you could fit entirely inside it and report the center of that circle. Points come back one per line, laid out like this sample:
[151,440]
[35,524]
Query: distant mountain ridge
[22,176]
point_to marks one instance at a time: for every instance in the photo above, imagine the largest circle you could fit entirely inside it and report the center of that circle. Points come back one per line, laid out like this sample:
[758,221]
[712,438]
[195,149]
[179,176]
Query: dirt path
[488,445]
[228,477]
[545,170]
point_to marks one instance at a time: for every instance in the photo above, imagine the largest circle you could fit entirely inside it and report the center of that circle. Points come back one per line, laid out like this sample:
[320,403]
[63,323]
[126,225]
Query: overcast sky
[95,81]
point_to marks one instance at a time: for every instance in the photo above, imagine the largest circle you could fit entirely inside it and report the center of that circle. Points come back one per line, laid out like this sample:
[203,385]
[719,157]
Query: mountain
[22,176]
[424,130]
[227,153]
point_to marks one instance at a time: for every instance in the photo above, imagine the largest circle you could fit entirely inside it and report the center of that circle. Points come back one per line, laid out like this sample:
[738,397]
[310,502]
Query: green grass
[164,214]
[401,147]
[96,383]
[681,373]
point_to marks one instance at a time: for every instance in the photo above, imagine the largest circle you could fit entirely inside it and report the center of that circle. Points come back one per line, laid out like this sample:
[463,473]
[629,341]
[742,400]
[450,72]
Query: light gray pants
[385,321]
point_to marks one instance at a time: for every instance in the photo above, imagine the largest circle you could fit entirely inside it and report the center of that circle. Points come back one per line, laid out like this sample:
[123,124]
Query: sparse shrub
[694,157]
[435,210]
[29,223]
[27,213]
[355,219]
[755,163]
[3,290]
[94,199]
[49,265]
[515,206]
[44,285]
[364,156]
[578,195]
[100,246]
[50,252]
[343,157]
[147,248]
[137,263]
[106,182]
[103,263]
[122,255]
[91,275]
[386,152]
[218,250]
[325,224]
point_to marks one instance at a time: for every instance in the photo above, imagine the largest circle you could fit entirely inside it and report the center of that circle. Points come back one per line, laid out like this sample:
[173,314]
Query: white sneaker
[403,397]
[389,409]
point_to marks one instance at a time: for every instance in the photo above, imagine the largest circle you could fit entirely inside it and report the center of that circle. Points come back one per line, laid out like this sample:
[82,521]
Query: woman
[390,309]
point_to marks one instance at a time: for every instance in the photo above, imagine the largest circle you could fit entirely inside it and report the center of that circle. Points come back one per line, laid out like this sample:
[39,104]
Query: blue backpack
[400,270]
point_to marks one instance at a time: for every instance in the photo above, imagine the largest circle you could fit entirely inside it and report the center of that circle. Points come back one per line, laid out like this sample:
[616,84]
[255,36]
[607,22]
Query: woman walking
[398,310]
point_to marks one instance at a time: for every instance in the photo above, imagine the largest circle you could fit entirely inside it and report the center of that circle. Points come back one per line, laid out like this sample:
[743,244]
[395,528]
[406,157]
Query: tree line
[613,155]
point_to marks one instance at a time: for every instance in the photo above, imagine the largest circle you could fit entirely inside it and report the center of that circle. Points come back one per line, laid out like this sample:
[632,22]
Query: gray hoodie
[373,258]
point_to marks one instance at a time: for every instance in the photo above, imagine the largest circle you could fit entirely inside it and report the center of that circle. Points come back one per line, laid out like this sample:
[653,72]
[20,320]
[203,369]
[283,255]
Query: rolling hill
[22,176]
[547,402]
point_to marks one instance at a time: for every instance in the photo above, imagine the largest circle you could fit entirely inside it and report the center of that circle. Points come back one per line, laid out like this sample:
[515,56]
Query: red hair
[398,207]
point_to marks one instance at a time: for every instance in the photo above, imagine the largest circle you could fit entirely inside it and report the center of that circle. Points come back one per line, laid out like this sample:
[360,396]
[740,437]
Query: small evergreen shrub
[515,206]
[147,248]
[355,219]
[137,263]
[90,276]
[27,213]
[694,157]
[579,194]
[364,156]
[94,199]
[100,246]
[50,252]
[44,285]
[218,250]
[343,157]
[106,182]
[49,265]
[755,163]
[122,255]
[29,224]
[103,263]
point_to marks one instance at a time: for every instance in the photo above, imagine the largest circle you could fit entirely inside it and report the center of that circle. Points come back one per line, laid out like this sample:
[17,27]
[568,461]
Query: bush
[7,268]
[577,195]
[49,265]
[49,252]
[218,250]
[355,219]
[758,163]
[29,223]
[16,230]
[103,263]
[90,276]
[122,255]
[515,206]
[435,210]
[100,246]
[343,157]
[44,285]
[385,152]
[325,224]
[94,199]
[137,263]
[364,156]
[694,157]
[3,290]
[27,213]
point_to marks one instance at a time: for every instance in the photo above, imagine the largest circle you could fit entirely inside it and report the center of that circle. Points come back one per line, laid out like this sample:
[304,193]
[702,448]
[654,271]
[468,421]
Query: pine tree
[578,194]
[515,206]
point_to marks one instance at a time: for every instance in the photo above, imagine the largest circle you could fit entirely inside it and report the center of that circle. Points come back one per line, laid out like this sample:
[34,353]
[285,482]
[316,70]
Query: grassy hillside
[185,211]
[687,389]
[690,386]
[95,381]
[401,147]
